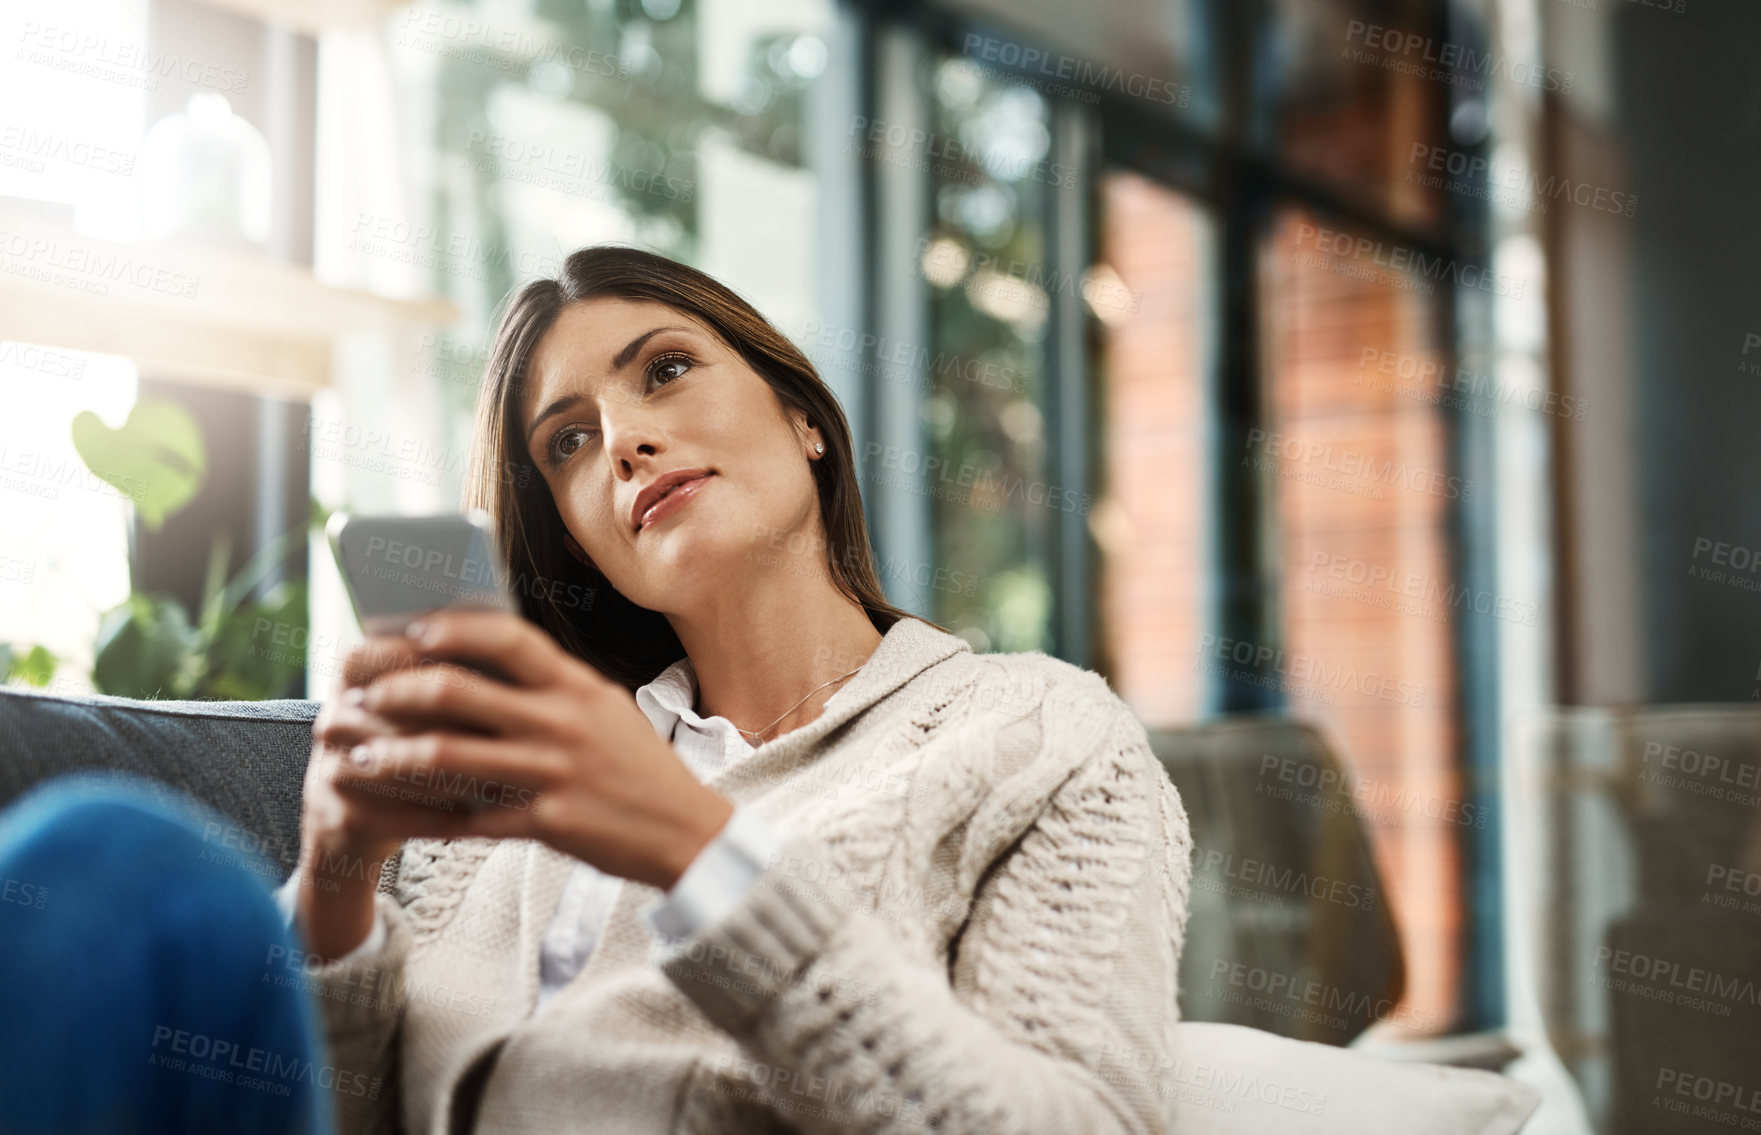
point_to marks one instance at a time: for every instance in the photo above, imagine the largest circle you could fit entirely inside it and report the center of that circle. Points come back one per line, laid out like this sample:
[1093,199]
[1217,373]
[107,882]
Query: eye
[670,367]
[559,450]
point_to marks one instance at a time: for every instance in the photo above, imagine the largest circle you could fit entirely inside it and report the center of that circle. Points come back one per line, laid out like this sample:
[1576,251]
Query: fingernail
[355,695]
[361,756]
[416,629]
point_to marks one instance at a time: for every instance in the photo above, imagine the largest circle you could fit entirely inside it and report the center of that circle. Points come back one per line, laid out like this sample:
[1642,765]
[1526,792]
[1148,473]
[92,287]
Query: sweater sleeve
[361,997]
[1052,1013]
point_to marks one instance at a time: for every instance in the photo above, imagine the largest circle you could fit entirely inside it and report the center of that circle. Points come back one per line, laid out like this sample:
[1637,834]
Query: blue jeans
[143,984]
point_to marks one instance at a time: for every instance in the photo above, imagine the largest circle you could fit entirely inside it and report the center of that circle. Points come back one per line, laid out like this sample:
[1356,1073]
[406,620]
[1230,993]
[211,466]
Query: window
[1152,522]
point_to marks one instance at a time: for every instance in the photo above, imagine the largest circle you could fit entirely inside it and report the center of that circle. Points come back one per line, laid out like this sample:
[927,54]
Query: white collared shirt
[710,887]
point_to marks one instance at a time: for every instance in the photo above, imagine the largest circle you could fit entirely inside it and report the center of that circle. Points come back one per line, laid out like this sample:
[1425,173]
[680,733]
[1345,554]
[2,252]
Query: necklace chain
[793,708]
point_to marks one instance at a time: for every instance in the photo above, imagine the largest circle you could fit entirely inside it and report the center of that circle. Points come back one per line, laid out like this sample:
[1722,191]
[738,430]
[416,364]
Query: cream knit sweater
[974,926]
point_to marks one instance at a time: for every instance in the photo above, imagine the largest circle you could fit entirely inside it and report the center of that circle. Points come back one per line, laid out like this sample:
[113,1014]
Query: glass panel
[1149,54]
[985,261]
[1364,97]
[1355,457]
[70,142]
[1151,516]
[519,136]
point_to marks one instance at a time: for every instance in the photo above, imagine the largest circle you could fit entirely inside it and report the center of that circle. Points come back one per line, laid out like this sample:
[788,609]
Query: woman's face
[625,392]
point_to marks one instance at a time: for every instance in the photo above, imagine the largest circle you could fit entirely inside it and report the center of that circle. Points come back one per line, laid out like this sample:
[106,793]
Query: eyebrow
[618,362]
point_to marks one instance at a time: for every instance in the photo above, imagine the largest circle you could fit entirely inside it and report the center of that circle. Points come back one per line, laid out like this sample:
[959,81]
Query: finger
[516,648]
[376,655]
[484,773]
[342,724]
[397,811]
[440,695]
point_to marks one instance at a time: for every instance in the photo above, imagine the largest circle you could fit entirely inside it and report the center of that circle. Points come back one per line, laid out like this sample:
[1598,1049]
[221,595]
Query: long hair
[574,601]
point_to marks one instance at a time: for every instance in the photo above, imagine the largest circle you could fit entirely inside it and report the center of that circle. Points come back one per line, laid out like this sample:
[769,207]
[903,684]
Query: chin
[671,562]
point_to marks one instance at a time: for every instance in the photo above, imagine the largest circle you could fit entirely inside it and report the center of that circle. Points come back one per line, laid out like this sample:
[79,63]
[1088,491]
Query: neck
[756,658]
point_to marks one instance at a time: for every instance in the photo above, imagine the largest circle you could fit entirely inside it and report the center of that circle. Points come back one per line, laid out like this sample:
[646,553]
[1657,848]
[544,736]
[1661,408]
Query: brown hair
[574,601]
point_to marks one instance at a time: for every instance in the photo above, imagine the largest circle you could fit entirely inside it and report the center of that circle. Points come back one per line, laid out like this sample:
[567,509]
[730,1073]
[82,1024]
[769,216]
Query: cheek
[584,500]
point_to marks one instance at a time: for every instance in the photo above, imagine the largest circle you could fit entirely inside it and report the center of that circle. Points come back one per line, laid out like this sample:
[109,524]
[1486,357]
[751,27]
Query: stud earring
[818,447]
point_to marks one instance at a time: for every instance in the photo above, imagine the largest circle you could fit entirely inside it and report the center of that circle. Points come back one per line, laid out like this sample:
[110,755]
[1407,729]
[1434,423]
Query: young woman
[714,838]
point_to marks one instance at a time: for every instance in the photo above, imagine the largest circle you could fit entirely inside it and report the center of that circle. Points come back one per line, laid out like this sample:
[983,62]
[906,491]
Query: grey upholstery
[1639,837]
[245,759]
[1290,930]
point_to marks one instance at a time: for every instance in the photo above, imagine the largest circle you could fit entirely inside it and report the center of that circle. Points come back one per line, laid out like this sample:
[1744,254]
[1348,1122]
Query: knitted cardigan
[974,926]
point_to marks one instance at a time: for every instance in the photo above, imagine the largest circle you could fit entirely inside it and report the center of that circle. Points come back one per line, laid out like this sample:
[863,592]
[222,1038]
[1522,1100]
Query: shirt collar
[667,701]
[909,647]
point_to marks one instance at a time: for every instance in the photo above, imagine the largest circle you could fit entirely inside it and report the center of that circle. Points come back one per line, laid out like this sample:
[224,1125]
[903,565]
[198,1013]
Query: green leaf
[259,649]
[157,459]
[146,649]
[37,667]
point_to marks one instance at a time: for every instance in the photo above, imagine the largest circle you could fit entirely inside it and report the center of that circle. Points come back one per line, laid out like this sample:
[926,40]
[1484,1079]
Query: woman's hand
[556,752]
[345,836]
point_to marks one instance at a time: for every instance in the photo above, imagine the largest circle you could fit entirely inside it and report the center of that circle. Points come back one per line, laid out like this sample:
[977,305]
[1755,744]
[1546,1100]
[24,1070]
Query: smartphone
[397,568]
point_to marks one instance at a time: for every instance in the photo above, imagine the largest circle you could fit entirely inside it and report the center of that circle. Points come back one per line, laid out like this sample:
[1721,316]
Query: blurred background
[1367,388]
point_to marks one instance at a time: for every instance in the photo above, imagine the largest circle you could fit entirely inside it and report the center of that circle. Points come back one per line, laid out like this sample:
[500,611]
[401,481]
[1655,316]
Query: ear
[804,429]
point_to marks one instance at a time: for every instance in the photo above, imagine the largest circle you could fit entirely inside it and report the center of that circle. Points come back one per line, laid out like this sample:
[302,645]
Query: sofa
[246,761]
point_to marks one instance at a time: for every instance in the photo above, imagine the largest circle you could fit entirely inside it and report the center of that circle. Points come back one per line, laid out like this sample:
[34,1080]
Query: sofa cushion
[245,759]
[1234,1080]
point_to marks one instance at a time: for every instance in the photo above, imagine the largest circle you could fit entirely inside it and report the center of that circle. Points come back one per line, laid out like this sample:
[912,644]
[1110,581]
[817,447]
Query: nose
[632,439]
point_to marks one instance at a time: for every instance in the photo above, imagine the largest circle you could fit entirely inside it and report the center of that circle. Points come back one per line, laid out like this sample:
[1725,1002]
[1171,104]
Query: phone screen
[398,567]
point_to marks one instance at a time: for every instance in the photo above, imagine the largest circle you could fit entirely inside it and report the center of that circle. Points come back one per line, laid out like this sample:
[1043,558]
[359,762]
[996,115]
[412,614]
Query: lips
[661,487]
